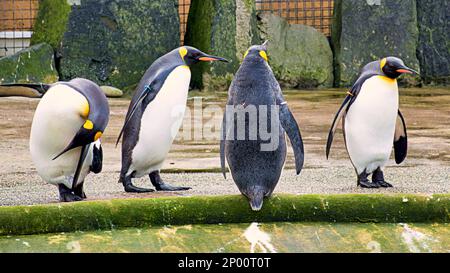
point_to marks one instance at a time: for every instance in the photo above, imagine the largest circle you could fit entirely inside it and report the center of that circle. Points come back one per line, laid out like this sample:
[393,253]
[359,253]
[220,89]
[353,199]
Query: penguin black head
[393,67]
[256,53]
[191,55]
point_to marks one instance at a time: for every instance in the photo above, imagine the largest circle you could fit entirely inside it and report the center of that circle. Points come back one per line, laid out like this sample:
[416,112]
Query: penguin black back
[256,159]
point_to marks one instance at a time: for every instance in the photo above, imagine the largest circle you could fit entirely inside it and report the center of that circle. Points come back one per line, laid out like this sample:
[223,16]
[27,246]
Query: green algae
[244,237]
[120,213]
[51,22]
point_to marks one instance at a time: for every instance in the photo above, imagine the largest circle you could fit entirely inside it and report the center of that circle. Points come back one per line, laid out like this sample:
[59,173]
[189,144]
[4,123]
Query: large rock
[35,64]
[51,22]
[367,30]
[113,42]
[434,40]
[300,56]
[220,27]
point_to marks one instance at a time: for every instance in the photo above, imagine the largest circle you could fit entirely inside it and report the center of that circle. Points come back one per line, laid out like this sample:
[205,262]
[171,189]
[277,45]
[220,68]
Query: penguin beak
[407,70]
[210,58]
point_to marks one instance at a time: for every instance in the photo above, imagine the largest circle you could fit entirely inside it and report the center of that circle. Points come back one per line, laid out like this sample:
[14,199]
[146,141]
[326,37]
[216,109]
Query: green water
[265,237]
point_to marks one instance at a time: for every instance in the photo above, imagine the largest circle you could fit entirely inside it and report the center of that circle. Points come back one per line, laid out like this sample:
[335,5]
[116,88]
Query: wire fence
[16,24]
[314,13]
[17,18]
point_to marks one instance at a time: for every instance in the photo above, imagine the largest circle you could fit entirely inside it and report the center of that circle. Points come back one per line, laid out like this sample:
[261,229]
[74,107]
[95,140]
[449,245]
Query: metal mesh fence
[17,18]
[183,11]
[16,24]
[314,13]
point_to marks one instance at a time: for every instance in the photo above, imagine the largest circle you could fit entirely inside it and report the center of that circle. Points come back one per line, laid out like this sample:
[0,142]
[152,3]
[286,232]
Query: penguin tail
[256,199]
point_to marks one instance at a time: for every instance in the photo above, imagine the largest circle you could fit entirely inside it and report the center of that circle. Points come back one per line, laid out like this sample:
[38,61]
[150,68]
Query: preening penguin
[65,135]
[155,115]
[253,140]
[372,121]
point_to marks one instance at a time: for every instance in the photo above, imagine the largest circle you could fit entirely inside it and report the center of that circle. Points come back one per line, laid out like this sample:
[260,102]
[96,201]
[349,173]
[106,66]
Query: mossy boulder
[50,23]
[111,92]
[364,31]
[136,212]
[300,56]
[35,64]
[220,27]
[433,50]
[114,42]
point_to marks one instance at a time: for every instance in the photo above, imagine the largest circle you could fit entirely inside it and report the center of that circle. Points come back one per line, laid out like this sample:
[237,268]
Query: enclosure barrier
[122,213]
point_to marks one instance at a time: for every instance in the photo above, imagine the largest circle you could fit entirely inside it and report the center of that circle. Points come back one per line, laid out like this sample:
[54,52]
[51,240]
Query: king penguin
[154,116]
[255,159]
[372,122]
[65,135]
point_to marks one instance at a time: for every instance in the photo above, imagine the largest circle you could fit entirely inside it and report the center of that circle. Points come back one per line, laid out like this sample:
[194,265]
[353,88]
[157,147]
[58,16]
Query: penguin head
[191,55]
[393,67]
[256,53]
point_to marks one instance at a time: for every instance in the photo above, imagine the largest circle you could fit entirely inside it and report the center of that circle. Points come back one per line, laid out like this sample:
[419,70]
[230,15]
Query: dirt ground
[196,163]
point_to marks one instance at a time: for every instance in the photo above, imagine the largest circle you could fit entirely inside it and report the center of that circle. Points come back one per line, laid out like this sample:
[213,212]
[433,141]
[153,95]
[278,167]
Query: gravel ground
[29,189]
[425,170]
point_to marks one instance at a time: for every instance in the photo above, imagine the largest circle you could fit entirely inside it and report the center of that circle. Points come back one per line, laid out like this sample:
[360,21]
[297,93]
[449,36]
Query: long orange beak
[404,71]
[209,58]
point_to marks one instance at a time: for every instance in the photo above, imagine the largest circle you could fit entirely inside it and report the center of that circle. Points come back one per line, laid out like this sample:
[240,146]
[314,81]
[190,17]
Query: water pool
[244,237]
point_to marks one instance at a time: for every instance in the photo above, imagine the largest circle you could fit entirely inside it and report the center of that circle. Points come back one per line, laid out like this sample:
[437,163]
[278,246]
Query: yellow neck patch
[382,63]
[84,112]
[387,79]
[245,54]
[263,55]
[183,51]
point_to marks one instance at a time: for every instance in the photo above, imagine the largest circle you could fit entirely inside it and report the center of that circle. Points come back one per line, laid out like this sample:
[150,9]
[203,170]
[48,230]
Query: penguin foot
[367,184]
[132,188]
[78,191]
[378,178]
[383,184]
[159,185]
[66,194]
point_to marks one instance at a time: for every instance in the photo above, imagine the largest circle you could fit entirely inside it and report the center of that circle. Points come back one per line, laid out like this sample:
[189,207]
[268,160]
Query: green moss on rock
[364,31]
[114,42]
[224,28]
[50,23]
[119,213]
[433,50]
[300,56]
[35,64]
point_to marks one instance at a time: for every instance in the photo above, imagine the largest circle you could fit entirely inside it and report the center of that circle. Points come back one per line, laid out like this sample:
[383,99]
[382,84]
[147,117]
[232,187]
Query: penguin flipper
[222,146]
[147,94]
[291,127]
[400,139]
[340,113]
[83,154]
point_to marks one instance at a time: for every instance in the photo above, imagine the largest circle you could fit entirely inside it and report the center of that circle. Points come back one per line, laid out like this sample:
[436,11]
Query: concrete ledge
[120,213]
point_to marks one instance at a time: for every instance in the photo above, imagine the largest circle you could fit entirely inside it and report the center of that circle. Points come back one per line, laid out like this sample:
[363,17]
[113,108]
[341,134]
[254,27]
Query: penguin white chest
[160,123]
[370,124]
[58,117]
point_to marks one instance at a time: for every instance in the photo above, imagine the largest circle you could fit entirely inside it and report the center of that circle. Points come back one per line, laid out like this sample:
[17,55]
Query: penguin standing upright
[256,160]
[372,121]
[65,135]
[154,116]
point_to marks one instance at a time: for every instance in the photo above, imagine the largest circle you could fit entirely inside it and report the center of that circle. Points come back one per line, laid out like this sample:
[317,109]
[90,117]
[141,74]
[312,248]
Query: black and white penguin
[65,135]
[256,162]
[372,121]
[154,116]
